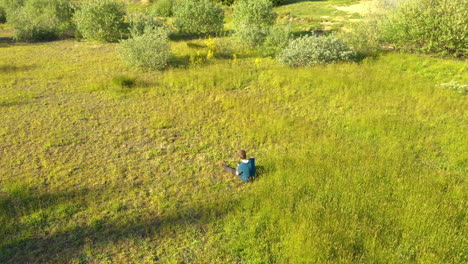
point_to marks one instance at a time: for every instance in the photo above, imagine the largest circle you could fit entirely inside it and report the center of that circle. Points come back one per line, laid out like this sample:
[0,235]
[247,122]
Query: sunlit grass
[359,162]
[100,163]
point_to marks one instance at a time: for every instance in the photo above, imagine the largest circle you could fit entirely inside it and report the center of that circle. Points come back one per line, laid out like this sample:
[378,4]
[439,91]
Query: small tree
[148,50]
[198,17]
[101,20]
[252,20]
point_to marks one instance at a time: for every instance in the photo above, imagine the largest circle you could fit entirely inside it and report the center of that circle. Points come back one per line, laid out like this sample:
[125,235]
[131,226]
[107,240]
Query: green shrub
[310,50]
[101,20]
[276,40]
[2,14]
[252,20]
[253,36]
[164,8]
[38,20]
[429,26]
[365,36]
[148,50]
[139,22]
[198,17]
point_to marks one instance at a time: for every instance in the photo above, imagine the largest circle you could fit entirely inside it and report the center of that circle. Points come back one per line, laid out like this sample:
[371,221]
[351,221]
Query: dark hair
[242,154]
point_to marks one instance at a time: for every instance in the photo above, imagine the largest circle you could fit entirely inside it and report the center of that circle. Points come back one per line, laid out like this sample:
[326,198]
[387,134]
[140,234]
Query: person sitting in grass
[245,169]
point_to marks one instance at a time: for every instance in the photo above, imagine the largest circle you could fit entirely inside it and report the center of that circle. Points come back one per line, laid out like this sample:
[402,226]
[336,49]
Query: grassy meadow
[358,162]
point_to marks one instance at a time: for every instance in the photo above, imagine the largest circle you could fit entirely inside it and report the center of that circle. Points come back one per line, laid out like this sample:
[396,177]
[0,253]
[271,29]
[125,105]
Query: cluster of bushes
[254,24]
[429,26]
[423,26]
[37,20]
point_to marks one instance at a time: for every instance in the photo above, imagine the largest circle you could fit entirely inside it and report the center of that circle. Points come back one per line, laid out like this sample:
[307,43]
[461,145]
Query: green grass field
[358,163]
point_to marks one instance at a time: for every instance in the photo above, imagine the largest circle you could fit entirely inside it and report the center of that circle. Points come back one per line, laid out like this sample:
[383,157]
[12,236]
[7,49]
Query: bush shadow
[11,104]
[5,68]
[6,42]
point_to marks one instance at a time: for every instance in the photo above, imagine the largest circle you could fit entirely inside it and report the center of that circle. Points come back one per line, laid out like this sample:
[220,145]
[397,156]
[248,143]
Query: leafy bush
[252,20]
[139,22]
[426,26]
[101,20]
[365,36]
[37,20]
[198,17]
[164,8]
[253,12]
[253,36]
[2,14]
[276,40]
[149,50]
[310,50]
[429,26]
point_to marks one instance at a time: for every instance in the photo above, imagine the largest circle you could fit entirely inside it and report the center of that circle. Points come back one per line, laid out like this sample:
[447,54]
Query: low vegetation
[310,50]
[276,40]
[149,50]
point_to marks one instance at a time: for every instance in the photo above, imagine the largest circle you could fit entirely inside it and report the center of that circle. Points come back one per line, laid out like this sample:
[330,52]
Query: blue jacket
[246,170]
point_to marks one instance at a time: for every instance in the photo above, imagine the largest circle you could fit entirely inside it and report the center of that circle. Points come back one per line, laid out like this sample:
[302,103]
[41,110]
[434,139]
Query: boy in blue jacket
[245,169]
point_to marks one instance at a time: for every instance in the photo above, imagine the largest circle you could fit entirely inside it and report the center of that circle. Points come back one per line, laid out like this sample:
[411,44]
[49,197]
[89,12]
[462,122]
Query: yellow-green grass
[358,163]
[304,16]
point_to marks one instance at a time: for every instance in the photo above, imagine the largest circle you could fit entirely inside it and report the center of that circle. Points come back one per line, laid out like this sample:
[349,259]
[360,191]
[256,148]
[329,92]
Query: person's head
[242,154]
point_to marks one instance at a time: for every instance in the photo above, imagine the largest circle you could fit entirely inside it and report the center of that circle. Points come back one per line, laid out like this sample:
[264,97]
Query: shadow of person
[260,171]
